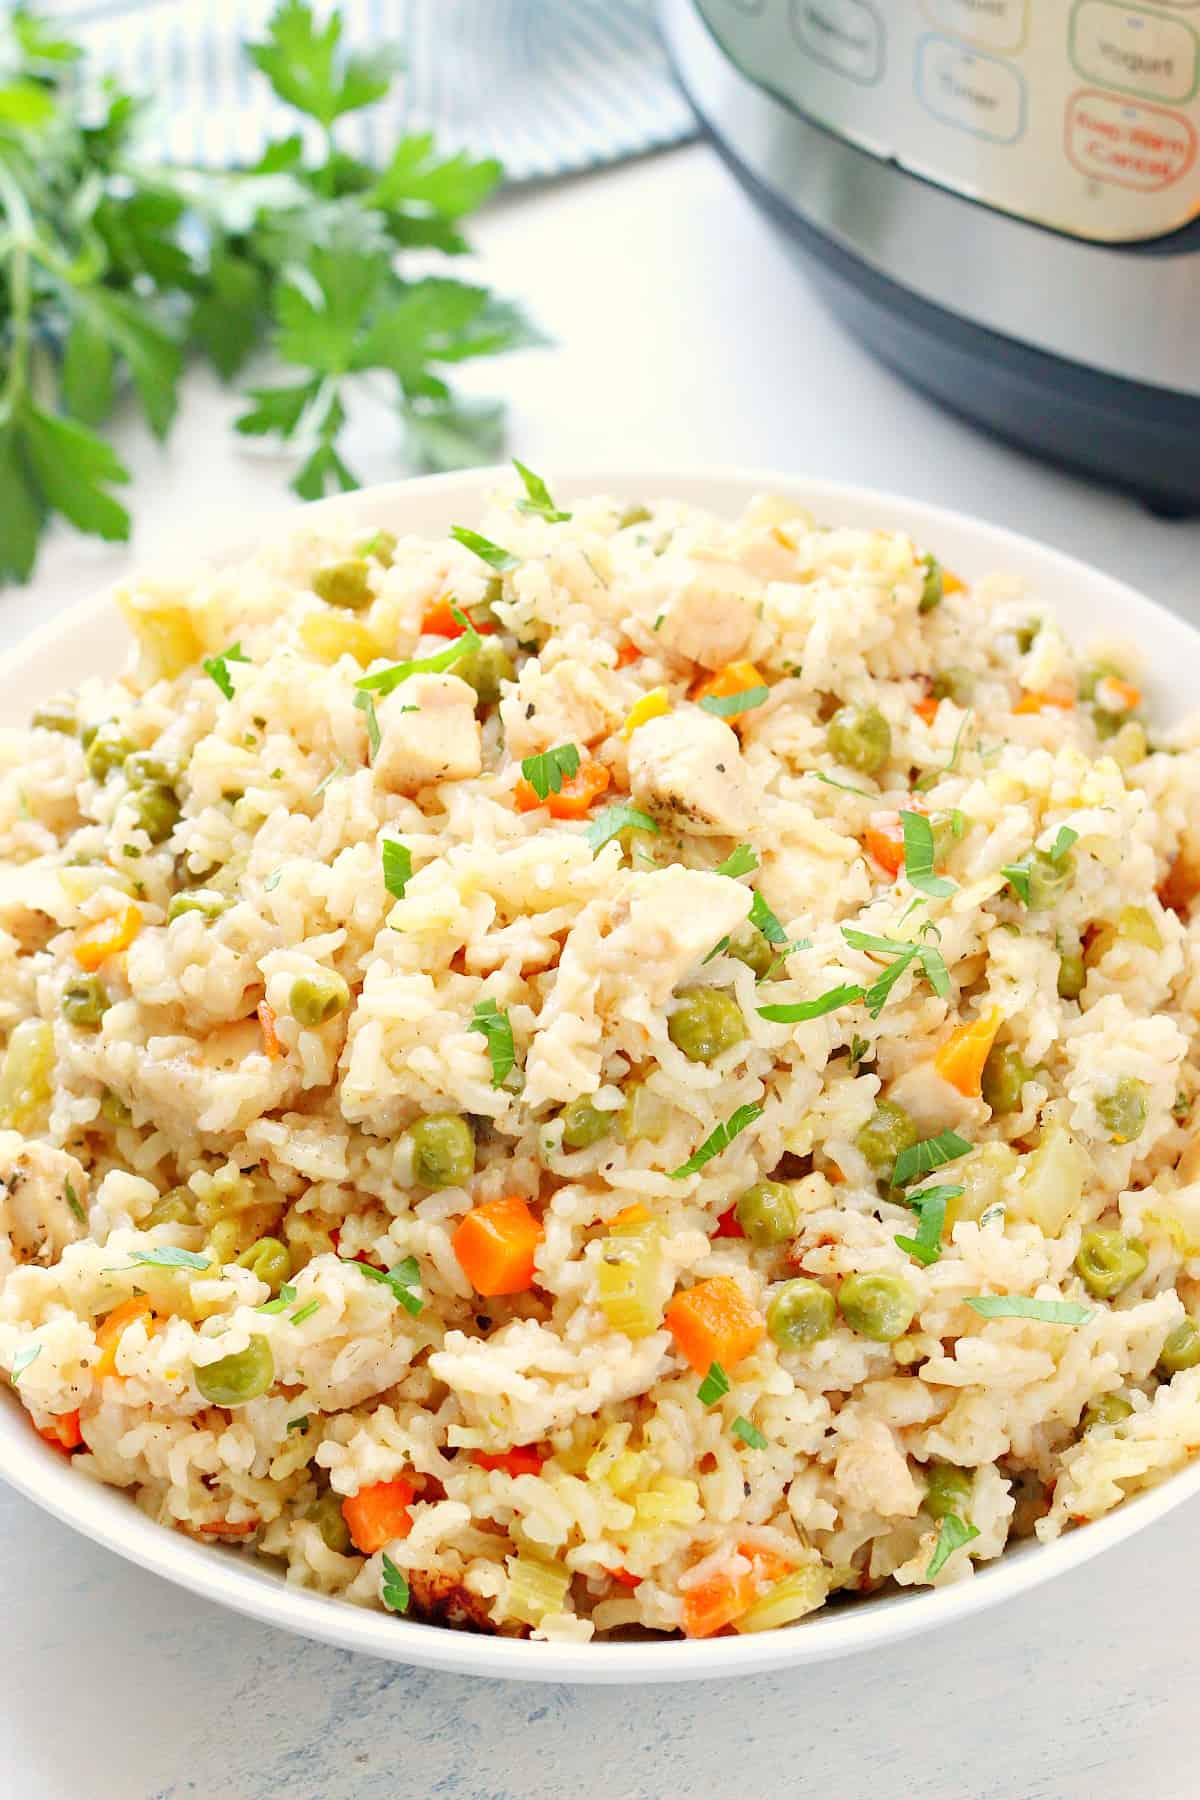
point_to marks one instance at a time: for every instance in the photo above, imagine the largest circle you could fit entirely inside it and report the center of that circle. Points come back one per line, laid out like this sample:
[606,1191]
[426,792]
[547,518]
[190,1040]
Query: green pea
[1108,1261]
[270,1260]
[801,1313]
[1123,1112]
[1071,971]
[877,1305]
[948,1489]
[157,810]
[934,587]
[205,901]
[240,1377]
[106,751]
[1181,1349]
[344,584]
[584,1124]
[954,683]
[484,668]
[860,737]
[767,1213]
[634,515]
[382,547]
[1004,1076]
[144,769]
[749,946]
[176,1207]
[57,715]
[443,1150]
[315,999]
[326,1514]
[113,1109]
[1106,1409]
[886,1133]
[706,1022]
[85,1002]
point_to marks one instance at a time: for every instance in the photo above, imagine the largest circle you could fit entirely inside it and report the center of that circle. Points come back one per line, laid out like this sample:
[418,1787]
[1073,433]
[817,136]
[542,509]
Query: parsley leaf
[749,1433]
[365,702]
[299,1424]
[497,1029]
[930,1206]
[22,1360]
[1062,843]
[397,867]
[305,1312]
[537,498]
[611,821]
[496,558]
[717,1140]
[740,861]
[952,1535]
[387,680]
[393,1587]
[401,1279]
[283,1299]
[308,69]
[166,1256]
[77,1211]
[547,772]
[335,774]
[931,1153]
[904,953]
[764,920]
[714,1386]
[727,706]
[217,667]
[799,1012]
[846,787]
[1019,1306]
[919,855]
[935,775]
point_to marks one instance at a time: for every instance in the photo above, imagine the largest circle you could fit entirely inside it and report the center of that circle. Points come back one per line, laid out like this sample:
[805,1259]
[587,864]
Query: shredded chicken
[428,733]
[687,766]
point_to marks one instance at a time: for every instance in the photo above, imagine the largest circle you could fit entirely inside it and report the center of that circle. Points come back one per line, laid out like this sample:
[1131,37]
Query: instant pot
[1001,197]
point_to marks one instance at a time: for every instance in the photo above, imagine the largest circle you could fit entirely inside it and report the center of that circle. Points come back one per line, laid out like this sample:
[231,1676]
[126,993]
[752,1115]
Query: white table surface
[684,335]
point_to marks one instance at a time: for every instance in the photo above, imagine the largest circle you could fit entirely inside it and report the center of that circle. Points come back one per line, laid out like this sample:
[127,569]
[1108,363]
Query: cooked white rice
[196,1113]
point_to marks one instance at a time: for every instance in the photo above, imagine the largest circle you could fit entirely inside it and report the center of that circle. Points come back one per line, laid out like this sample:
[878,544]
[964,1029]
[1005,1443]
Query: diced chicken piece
[676,915]
[933,1104]
[686,766]
[568,703]
[871,1473]
[428,732]
[43,1199]
[711,614]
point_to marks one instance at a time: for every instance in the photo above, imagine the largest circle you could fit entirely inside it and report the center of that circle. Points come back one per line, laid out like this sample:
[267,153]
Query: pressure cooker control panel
[1080,114]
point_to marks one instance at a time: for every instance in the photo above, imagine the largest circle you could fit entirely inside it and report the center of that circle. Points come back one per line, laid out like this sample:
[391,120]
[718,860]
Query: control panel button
[986,24]
[1135,51]
[1128,143]
[975,93]
[846,35]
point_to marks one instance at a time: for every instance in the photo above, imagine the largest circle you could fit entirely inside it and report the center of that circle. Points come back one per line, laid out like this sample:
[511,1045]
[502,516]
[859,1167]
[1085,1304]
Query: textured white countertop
[684,336]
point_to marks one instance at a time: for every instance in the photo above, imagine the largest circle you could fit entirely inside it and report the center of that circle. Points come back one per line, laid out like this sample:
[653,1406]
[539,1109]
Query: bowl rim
[106,1515]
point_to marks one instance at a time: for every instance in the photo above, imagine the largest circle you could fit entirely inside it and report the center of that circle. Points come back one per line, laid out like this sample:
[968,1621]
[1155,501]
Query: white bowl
[91,638]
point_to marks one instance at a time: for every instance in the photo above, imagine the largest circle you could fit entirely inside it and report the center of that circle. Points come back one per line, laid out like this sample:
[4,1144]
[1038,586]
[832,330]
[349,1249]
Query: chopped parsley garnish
[935,775]
[365,703]
[547,772]
[401,1279]
[387,680]
[727,706]
[300,1424]
[749,1434]
[611,821]
[1017,876]
[492,554]
[77,1211]
[393,1587]
[167,1257]
[827,1002]
[717,1140]
[859,1047]
[272,881]
[953,1533]
[397,867]
[740,861]
[761,916]
[714,1387]
[537,500]
[496,1027]
[22,1360]
[1019,1306]
[335,774]
[930,1154]
[929,1204]
[1062,843]
[904,952]
[217,667]
[284,1298]
[305,1312]
[918,856]
[845,786]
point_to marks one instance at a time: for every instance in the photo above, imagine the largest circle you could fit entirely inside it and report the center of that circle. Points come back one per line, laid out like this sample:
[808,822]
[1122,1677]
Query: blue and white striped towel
[548,86]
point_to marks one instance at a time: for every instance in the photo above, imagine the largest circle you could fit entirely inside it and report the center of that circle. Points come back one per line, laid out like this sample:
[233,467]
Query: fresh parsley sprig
[928,1154]
[717,1140]
[547,772]
[1020,1306]
[903,952]
[953,1533]
[496,1027]
[397,867]
[929,1204]
[537,497]
[393,1587]
[401,1279]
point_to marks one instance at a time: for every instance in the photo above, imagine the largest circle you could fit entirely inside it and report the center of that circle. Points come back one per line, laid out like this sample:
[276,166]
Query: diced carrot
[734,678]
[624,1577]
[711,1605]
[222,1528]
[266,1018]
[952,583]
[526,1459]
[636,1214]
[110,1331]
[1115,695]
[105,938]
[769,1566]
[884,841]
[1041,702]
[495,1246]
[63,1433]
[378,1514]
[439,620]
[927,708]
[727,1225]
[628,653]
[713,1322]
[576,794]
[961,1058]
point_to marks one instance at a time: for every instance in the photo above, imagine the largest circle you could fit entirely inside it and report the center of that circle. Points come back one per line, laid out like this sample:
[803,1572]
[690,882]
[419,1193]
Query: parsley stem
[21,235]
